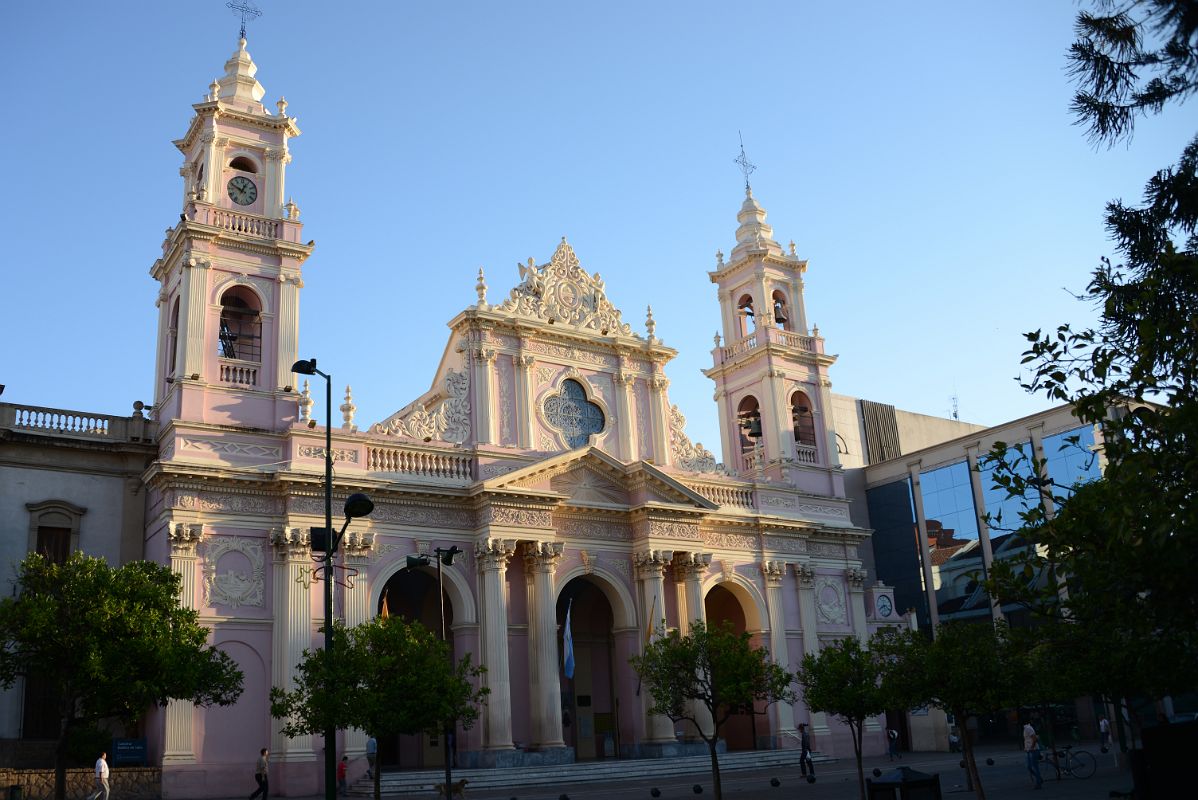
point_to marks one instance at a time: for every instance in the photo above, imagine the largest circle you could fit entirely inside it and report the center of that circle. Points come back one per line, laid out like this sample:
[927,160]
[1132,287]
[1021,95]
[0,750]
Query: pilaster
[292,631]
[650,570]
[524,409]
[545,696]
[660,419]
[492,557]
[691,567]
[179,745]
[805,578]
[288,329]
[484,376]
[624,406]
[774,572]
[193,316]
[357,547]
[831,452]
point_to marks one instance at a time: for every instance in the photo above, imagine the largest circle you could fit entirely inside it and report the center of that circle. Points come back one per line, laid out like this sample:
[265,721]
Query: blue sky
[921,156]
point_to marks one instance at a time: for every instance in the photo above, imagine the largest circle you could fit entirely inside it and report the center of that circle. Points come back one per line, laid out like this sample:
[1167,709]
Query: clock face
[242,190]
[884,606]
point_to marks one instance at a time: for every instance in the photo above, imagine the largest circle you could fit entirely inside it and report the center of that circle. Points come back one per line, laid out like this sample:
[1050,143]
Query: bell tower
[770,370]
[229,274]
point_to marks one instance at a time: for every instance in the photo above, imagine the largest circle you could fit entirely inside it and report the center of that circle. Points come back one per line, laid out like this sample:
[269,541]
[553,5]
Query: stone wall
[127,783]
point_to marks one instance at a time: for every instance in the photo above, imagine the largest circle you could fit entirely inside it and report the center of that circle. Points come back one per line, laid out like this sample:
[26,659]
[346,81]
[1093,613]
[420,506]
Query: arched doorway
[740,732]
[412,595]
[590,704]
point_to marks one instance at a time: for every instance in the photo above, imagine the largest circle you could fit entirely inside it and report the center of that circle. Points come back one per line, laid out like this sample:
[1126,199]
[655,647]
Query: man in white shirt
[1031,746]
[101,792]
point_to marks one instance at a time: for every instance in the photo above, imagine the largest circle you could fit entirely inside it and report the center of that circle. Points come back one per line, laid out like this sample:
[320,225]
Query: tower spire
[747,167]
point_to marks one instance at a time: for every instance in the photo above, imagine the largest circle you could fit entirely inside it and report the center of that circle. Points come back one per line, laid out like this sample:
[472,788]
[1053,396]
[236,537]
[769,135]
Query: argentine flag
[568,644]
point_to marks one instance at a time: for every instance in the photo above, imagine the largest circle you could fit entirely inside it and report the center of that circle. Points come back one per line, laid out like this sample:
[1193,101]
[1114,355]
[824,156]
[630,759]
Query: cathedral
[546,450]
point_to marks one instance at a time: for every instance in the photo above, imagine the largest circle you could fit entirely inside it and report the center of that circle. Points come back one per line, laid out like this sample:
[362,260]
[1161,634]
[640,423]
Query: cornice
[618,344]
[214,109]
[747,358]
[758,258]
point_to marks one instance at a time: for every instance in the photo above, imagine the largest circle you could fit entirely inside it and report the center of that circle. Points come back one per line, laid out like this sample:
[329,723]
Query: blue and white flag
[568,643]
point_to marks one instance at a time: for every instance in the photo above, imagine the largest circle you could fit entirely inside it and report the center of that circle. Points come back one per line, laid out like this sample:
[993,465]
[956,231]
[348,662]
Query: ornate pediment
[562,292]
[586,486]
[449,420]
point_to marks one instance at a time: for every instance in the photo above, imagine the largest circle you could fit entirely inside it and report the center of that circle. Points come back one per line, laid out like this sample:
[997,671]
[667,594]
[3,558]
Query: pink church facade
[546,449]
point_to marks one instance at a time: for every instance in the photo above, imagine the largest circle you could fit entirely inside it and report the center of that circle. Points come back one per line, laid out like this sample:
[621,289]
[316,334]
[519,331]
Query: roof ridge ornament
[562,292]
[248,13]
[747,167]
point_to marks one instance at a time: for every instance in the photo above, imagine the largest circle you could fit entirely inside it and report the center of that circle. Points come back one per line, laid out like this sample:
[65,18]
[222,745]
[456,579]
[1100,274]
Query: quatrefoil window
[573,415]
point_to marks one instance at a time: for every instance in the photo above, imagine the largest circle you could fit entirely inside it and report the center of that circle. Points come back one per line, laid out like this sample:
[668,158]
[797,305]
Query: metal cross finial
[746,166]
[246,10]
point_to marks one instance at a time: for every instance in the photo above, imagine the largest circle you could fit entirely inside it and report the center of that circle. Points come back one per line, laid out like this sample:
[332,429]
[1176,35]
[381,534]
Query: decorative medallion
[233,588]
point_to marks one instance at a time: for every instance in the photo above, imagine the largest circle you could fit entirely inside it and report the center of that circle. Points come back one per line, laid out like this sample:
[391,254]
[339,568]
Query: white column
[925,553]
[524,409]
[213,150]
[660,419]
[729,431]
[774,572]
[357,611]
[179,747]
[650,566]
[287,326]
[805,576]
[545,694]
[765,314]
[291,634]
[483,392]
[831,453]
[492,556]
[624,406]
[1041,466]
[798,321]
[165,341]
[979,508]
[692,567]
[193,316]
[272,205]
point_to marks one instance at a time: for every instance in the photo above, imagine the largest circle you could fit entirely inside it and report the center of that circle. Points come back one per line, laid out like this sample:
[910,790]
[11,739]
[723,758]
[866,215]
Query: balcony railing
[419,463]
[72,424]
[764,336]
[238,373]
[236,221]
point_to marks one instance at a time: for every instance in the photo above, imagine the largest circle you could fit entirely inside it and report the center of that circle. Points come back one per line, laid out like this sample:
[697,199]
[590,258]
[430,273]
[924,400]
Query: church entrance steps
[425,781]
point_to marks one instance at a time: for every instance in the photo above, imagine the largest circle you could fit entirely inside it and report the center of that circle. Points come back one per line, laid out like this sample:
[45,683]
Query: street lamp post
[356,505]
[444,556]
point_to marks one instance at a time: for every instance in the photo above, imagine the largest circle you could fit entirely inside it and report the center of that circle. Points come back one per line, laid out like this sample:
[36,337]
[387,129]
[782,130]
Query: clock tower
[229,273]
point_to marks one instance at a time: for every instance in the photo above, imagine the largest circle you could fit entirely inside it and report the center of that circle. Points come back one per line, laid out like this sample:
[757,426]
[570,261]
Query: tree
[389,676]
[966,670]
[715,668]
[112,641]
[846,680]
[1119,75]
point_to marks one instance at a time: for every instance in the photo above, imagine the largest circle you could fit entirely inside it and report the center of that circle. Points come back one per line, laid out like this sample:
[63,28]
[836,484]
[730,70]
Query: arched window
[244,164]
[745,315]
[240,334]
[803,419]
[781,312]
[748,419]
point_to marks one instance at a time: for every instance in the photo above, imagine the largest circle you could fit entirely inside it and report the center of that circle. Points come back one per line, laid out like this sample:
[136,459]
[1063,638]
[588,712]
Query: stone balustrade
[764,336]
[238,373]
[806,453]
[420,463]
[237,222]
[73,424]
[727,495]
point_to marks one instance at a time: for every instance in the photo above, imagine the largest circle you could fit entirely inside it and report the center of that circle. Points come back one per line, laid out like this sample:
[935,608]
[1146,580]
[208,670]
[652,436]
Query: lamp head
[358,505]
[417,561]
[305,367]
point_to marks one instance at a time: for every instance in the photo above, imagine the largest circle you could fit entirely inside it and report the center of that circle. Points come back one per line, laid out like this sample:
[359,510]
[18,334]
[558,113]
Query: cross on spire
[246,10]
[743,162]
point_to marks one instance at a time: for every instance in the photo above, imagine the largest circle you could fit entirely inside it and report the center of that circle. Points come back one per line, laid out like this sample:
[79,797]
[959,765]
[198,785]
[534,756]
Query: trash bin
[15,792]
[903,783]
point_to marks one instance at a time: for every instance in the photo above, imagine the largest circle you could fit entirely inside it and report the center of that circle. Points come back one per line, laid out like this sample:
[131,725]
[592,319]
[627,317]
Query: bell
[779,315]
[753,427]
[746,311]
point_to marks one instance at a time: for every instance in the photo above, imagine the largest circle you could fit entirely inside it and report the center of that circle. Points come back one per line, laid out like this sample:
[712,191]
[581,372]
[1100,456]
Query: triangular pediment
[590,477]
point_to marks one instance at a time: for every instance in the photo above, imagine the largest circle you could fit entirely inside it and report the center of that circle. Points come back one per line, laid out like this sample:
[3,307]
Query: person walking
[372,754]
[1104,730]
[892,740]
[805,761]
[1031,747]
[262,775]
[342,767]
[101,792]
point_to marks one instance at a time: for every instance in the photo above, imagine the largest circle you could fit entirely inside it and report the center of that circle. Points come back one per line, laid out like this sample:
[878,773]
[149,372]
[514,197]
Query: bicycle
[1077,763]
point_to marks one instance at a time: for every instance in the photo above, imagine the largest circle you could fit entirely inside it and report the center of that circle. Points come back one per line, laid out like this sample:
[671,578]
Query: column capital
[483,355]
[184,537]
[856,578]
[525,361]
[658,383]
[357,545]
[290,543]
[542,556]
[691,566]
[625,378]
[494,554]
[806,575]
[773,572]
[652,563]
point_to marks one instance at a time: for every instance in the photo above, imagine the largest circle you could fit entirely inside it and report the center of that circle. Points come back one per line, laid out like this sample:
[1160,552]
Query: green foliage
[1120,76]
[854,683]
[114,642]
[712,668]
[388,676]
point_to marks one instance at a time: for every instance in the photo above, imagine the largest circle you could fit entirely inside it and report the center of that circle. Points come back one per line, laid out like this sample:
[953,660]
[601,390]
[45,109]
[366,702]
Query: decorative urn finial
[481,288]
[347,410]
